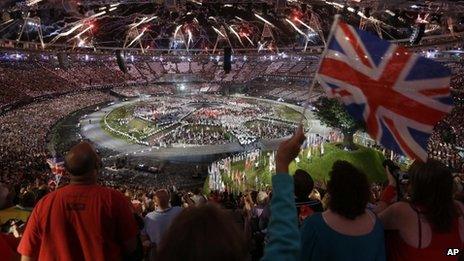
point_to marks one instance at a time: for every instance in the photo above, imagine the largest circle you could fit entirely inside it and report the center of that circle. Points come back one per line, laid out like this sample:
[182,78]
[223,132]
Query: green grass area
[139,125]
[367,160]
[287,113]
[121,119]
[114,134]
[257,177]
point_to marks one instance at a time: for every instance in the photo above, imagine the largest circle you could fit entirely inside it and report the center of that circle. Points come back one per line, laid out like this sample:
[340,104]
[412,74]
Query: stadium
[260,121]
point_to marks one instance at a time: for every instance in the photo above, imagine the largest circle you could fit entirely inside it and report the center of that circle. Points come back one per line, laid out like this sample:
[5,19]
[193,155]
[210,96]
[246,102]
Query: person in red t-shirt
[81,221]
[8,244]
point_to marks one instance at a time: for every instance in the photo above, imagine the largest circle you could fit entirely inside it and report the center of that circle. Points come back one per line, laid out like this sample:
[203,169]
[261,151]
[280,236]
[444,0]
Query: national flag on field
[56,166]
[399,95]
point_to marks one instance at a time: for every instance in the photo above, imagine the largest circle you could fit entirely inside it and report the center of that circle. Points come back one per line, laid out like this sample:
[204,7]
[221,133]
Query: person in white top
[157,222]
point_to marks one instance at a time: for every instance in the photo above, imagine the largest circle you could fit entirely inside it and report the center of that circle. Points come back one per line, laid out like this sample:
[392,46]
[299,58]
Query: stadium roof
[205,25]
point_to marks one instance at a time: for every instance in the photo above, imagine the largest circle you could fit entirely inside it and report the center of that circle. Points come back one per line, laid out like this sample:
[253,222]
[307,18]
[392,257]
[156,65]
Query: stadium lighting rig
[264,20]
[295,27]
[236,34]
[32,2]
[33,24]
[190,38]
[134,34]
[222,36]
[6,22]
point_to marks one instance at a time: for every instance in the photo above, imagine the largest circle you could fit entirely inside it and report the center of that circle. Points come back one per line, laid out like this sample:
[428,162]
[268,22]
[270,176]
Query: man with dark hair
[304,185]
[81,221]
[198,198]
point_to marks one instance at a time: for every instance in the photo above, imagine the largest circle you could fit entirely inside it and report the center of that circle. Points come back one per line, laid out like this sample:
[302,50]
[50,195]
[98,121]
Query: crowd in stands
[135,91]
[288,89]
[27,76]
[159,216]
[296,220]
[151,176]
[457,74]
[24,130]
[24,80]
[84,74]
[447,141]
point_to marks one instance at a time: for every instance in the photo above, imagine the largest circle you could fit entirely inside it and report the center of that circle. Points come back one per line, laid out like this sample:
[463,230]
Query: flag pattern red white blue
[56,166]
[399,95]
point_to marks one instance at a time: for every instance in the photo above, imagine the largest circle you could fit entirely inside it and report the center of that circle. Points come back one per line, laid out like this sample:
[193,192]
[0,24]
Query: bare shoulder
[399,209]
[460,205]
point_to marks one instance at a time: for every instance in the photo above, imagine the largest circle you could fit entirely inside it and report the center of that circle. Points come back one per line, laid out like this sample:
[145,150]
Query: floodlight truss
[35,23]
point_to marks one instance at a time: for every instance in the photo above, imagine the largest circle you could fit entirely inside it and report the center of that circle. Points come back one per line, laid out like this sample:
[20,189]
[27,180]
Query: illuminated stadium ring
[184,125]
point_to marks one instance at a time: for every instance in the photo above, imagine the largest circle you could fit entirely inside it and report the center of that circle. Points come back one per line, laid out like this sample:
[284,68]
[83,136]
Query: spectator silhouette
[81,221]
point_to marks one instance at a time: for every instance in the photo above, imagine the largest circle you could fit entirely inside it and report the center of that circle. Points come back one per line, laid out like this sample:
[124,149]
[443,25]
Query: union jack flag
[56,166]
[399,95]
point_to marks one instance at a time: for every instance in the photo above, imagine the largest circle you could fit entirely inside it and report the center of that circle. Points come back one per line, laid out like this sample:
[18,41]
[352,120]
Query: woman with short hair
[346,230]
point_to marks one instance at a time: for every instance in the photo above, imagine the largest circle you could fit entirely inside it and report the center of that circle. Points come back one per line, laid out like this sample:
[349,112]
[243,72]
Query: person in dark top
[346,230]
[204,232]
[304,185]
[176,199]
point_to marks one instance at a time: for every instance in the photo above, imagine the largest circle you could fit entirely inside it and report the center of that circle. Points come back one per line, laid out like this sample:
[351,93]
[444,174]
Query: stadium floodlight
[137,37]
[295,27]
[264,20]
[32,2]
[35,24]
[236,34]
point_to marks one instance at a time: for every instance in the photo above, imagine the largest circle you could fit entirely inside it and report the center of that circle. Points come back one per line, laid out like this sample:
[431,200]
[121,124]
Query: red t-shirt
[79,222]
[8,244]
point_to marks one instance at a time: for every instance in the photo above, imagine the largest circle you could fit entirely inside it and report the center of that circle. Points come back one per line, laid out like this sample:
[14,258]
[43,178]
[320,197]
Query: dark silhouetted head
[162,199]
[82,160]
[28,199]
[203,233]
[303,183]
[431,185]
[176,200]
[348,190]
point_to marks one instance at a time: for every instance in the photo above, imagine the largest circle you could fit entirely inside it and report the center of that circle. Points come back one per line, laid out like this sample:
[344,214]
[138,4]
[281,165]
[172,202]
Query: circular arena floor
[91,127]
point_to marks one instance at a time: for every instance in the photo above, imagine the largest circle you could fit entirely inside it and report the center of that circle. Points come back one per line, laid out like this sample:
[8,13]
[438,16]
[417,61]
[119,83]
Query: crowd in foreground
[345,220]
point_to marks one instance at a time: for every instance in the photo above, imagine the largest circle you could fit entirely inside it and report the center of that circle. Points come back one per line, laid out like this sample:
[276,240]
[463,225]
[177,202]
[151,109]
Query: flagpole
[313,83]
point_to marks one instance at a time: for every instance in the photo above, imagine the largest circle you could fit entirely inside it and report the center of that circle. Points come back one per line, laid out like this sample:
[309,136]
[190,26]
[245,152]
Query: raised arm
[284,236]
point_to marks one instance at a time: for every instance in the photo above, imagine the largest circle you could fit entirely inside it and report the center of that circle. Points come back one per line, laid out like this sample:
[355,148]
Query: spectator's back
[79,222]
